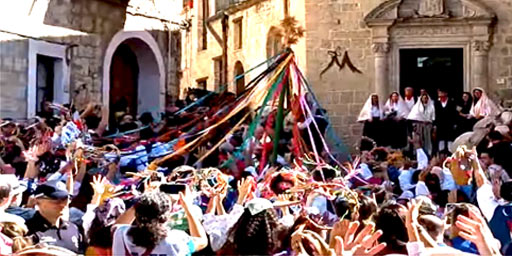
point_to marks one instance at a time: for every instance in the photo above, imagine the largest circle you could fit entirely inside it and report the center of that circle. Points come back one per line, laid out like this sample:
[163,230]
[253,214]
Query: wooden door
[124,73]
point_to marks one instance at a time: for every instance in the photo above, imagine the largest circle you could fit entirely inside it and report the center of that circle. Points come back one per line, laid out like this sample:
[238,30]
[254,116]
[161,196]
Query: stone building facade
[376,33]
[389,41]
[251,33]
[65,51]
[177,44]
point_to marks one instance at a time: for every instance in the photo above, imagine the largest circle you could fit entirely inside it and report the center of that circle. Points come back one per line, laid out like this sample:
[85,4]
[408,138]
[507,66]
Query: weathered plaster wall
[257,20]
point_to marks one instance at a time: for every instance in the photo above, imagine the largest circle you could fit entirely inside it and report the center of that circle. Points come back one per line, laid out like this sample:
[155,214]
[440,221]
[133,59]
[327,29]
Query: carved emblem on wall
[431,8]
[344,61]
[481,46]
[380,47]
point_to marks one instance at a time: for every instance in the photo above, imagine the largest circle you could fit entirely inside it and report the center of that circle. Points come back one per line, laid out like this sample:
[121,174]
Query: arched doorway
[274,42]
[240,83]
[124,74]
[134,68]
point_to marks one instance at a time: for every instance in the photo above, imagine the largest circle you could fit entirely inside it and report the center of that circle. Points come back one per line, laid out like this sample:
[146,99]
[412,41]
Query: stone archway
[411,24]
[151,73]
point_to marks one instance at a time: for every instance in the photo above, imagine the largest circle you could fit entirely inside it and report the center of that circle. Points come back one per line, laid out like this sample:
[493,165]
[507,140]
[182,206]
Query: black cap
[53,189]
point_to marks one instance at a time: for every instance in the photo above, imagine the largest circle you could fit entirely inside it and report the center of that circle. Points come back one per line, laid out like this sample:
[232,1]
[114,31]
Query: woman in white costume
[423,115]
[395,114]
[371,115]
[482,105]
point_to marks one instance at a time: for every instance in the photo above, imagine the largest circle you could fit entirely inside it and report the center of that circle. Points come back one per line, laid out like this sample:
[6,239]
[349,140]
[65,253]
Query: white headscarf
[366,111]
[400,107]
[421,112]
[484,106]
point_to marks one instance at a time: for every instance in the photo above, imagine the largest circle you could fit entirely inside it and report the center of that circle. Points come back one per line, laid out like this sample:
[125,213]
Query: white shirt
[486,200]
[8,217]
[405,179]
[422,189]
[177,242]
[375,111]
[365,171]
[218,226]
[409,103]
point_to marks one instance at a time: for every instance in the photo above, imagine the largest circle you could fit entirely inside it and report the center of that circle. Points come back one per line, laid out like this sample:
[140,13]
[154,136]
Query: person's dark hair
[128,127]
[506,191]
[441,198]
[328,174]
[470,97]
[454,211]
[380,154]
[380,193]
[432,224]
[433,183]
[5,190]
[495,135]
[151,214]
[392,224]
[146,118]
[415,176]
[342,207]
[367,208]
[277,186]
[367,144]
[237,138]
[92,121]
[99,233]
[257,234]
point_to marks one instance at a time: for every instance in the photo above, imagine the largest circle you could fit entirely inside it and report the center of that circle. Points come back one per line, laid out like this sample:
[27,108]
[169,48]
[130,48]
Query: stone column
[381,69]
[480,64]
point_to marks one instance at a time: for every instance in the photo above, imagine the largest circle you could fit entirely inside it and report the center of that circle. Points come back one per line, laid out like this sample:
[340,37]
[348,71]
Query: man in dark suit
[446,114]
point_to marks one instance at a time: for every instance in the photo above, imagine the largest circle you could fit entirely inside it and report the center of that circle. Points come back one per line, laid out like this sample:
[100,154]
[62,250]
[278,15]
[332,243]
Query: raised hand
[99,186]
[317,245]
[338,230]
[411,220]
[201,151]
[475,230]
[360,244]
[31,154]
[244,189]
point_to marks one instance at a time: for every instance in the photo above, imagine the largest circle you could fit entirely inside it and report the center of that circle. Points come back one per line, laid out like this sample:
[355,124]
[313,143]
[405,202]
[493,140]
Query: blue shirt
[464,245]
[500,224]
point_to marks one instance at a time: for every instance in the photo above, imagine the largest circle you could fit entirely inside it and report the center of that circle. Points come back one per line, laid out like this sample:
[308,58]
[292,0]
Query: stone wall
[500,54]
[339,24]
[13,76]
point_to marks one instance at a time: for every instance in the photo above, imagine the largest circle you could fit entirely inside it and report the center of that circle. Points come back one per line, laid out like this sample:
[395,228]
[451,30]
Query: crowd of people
[81,182]
[437,123]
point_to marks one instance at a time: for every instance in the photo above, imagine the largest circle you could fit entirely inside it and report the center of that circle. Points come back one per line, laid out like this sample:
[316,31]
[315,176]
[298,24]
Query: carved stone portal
[465,24]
